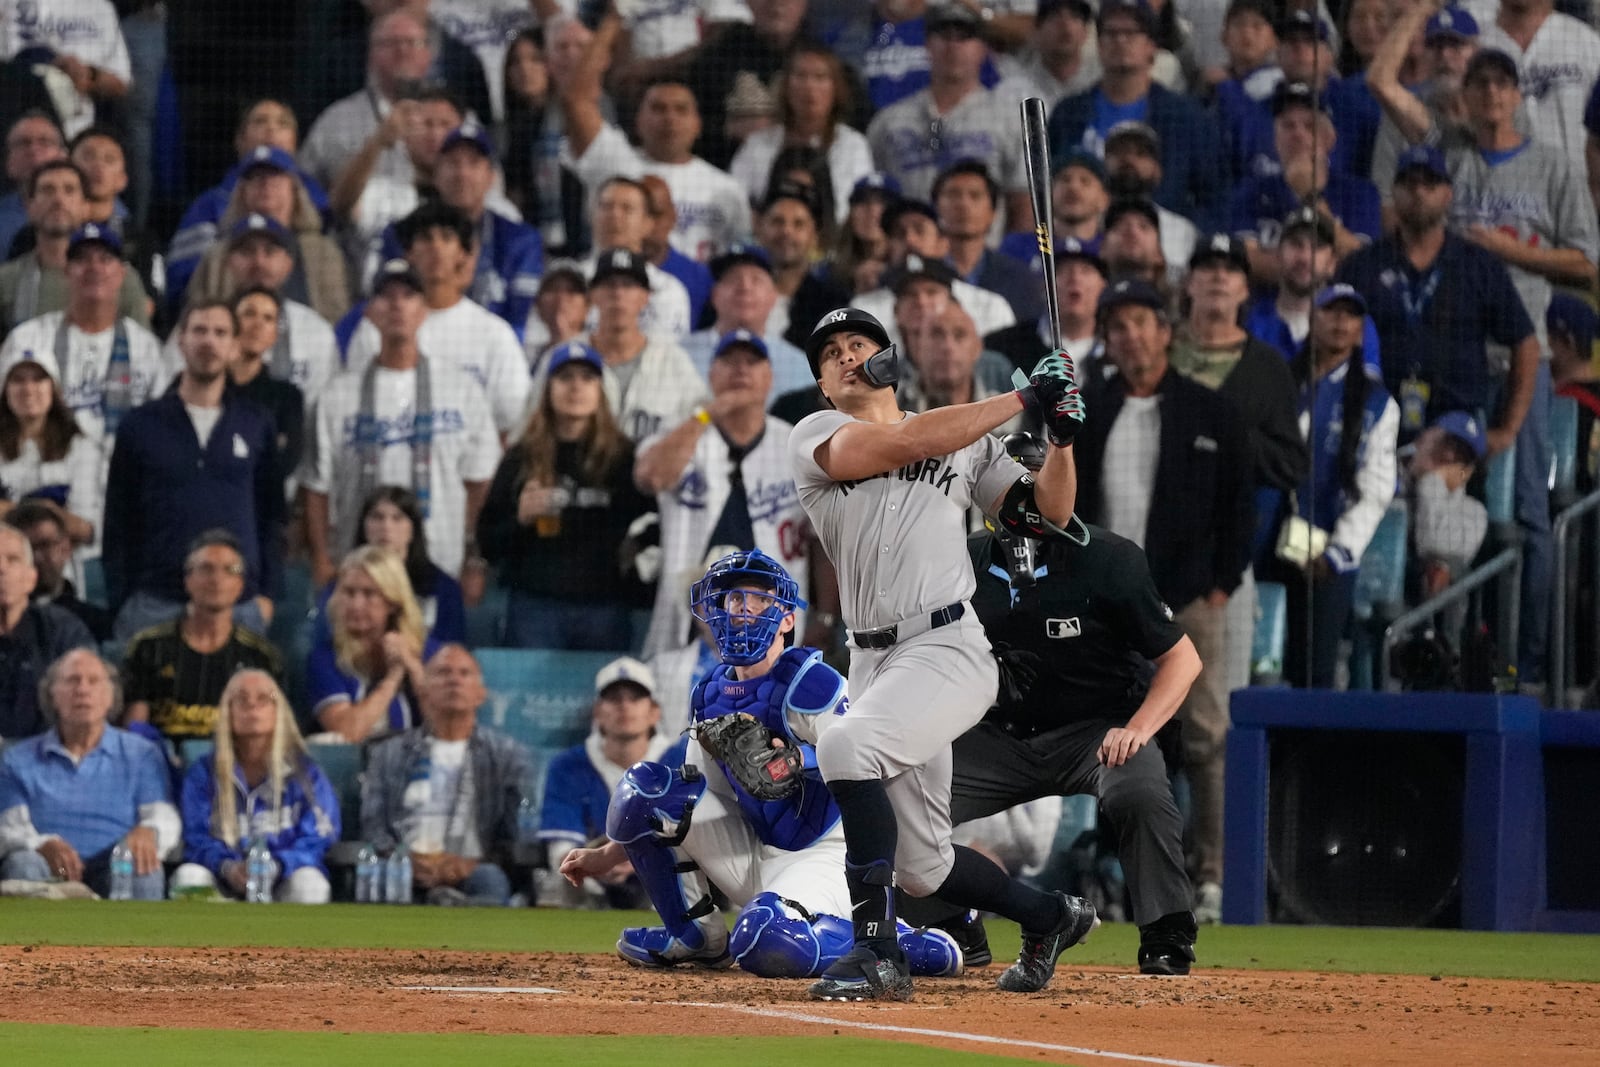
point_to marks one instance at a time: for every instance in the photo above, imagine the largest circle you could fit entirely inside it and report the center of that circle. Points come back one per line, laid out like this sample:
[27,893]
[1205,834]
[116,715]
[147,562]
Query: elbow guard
[1019,513]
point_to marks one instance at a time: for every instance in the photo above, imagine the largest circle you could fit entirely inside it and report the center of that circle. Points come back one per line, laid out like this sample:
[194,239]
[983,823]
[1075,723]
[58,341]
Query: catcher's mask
[745,625]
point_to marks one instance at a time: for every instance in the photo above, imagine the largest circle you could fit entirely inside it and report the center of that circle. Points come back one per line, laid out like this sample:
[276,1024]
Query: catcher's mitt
[745,747]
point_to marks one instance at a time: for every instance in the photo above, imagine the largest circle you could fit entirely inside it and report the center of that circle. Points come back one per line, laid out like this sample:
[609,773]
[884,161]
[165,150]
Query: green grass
[1288,948]
[130,1047]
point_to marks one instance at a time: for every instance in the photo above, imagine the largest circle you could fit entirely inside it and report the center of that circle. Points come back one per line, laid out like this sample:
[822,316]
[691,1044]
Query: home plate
[535,989]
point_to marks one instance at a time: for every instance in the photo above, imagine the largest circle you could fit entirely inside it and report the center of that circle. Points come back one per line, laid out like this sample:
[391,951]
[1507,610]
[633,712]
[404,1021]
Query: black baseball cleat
[862,974]
[1166,946]
[970,935]
[1037,961]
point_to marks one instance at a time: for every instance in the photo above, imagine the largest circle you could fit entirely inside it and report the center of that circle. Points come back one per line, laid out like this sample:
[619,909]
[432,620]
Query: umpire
[1092,668]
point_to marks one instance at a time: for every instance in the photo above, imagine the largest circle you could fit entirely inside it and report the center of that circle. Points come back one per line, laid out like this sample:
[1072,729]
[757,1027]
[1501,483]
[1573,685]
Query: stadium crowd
[494,328]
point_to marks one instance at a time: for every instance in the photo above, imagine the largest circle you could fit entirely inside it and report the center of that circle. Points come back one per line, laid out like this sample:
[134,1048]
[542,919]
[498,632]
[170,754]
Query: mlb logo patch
[1060,629]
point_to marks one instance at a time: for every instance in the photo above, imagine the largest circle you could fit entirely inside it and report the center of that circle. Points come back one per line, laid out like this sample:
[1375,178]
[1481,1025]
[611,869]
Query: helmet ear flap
[882,368]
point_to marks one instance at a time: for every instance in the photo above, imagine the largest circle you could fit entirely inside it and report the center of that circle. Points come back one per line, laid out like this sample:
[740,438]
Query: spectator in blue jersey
[1192,180]
[967,199]
[1306,261]
[199,457]
[70,795]
[1304,136]
[1351,423]
[366,681]
[1355,111]
[448,789]
[1244,99]
[510,253]
[258,780]
[265,122]
[581,779]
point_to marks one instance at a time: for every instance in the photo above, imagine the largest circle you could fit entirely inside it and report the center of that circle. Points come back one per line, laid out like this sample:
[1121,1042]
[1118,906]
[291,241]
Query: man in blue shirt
[1306,261]
[1191,181]
[1244,100]
[70,795]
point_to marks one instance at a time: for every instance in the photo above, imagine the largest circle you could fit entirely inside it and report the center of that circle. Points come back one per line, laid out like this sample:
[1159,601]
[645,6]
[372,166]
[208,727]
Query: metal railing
[1563,626]
[1505,565]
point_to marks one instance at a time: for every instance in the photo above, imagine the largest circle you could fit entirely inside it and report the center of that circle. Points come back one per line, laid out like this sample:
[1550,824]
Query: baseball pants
[734,859]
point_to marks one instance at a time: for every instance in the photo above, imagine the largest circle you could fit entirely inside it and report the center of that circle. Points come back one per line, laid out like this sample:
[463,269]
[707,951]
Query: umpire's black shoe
[1037,962]
[862,974]
[970,935]
[1166,946]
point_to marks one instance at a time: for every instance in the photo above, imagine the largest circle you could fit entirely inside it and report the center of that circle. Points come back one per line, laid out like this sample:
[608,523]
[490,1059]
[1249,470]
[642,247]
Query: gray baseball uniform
[899,542]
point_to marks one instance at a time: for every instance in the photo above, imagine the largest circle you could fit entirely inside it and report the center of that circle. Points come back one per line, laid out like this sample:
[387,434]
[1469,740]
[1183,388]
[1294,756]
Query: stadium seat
[94,581]
[192,749]
[342,764]
[290,630]
[1272,627]
[1380,591]
[540,696]
[1563,451]
[486,620]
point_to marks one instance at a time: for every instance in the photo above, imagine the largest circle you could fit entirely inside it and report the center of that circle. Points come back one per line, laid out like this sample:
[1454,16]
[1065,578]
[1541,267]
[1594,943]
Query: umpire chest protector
[798,682]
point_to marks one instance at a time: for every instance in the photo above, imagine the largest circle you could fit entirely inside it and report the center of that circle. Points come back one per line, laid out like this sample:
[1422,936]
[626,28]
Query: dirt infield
[1232,1018]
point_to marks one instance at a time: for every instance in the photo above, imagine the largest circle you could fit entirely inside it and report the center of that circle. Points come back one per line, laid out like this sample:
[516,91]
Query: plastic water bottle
[369,888]
[258,873]
[121,872]
[527,821]
[397,881]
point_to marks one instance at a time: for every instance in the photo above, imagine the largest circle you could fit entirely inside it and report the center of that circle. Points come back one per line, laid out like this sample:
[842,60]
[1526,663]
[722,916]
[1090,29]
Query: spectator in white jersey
[80,41]
[558,512]
[405,419]
[43,454]
[743,297]
[439,244]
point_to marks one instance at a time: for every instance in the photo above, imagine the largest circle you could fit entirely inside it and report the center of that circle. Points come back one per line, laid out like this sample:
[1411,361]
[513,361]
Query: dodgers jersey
[898,539]
[89,364]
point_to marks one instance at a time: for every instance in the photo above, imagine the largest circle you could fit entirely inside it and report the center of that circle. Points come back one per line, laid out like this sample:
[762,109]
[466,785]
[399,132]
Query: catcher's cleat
[862,974]
[1166,946]
[930,951]
[652,946]
[969,933]
[1037,961]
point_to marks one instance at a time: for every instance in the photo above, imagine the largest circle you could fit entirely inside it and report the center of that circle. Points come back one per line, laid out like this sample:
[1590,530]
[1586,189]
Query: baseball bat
[1036,147]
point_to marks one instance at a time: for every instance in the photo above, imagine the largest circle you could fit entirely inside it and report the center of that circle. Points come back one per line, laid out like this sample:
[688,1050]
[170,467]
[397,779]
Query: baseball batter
[887,494]
[759,824]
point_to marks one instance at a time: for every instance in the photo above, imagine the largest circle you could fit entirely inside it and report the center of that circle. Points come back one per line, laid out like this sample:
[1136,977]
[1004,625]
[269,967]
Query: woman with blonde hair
[366,681]
[258,781]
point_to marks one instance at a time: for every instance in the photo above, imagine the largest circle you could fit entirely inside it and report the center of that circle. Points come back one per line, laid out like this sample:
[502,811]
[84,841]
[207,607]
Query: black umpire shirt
[1094,619]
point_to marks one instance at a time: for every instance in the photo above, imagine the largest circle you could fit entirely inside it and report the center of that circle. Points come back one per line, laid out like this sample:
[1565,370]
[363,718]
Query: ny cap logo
[913,264]
[835,316]
[619,258]
[256,222]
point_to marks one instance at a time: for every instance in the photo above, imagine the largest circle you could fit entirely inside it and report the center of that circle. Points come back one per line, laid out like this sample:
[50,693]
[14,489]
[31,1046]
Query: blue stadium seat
[93,572]
[290,630]
[342,764]
[541,697]
[486,622]
[192,749]
[1272,628]
[1563,447]
[1500,488]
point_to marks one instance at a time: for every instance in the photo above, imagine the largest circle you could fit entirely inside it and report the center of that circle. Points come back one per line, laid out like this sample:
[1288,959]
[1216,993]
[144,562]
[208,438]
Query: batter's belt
[889,636]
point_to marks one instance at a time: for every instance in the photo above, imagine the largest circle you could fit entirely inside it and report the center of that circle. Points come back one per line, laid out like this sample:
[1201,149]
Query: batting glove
[1053,391]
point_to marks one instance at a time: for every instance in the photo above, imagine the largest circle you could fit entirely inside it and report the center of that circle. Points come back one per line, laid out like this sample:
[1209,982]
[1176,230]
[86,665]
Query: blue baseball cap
[94,234]
[257,223]
[1138,10]
[1422,157]
[1303,23]
[1130,291]
[1078,156]
[396,270]
[469,133]
[741,338]
[1088,251]
[739,253]
[1349,294]
[1468,428]
[267,157]
[572,352]
[875,184]
[1569,316]
[1451,21]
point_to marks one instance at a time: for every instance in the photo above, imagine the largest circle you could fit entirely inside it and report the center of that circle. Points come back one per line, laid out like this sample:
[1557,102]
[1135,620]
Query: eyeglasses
[210,569]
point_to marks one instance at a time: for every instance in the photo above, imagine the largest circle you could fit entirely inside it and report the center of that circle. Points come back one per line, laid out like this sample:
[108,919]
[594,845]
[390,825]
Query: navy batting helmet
[743,635]
[881,369]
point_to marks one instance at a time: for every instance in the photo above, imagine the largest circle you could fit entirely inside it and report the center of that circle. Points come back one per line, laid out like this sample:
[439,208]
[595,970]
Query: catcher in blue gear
[748,812]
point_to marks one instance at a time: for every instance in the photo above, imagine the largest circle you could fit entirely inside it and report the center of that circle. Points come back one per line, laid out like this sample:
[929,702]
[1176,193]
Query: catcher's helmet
[881,369]
[744,638]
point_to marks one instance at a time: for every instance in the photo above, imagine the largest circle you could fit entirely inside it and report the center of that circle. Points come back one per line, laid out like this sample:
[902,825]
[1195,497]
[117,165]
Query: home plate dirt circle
[1087,1015]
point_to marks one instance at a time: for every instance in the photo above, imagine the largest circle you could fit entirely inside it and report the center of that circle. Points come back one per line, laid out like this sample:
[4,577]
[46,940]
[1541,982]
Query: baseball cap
[1423,156]
[572,352]
[1080,157]
[91,233]
[1138,10]
[1046,8]
[1131,206]
[744,338]
[1135,291]
[625,669]
[267,157]
[901,208]
[42,358]
[1221,247]
[1132,130]
[951,15]
[1467,428]
[1569,316]
[1309,218]
[1293,94]
[469,133]
[620,263]
[788,189]
[1349,294]
[739,253]
[1491,59]
[396,270]
[1303,23]
[1088,251]
[1451,21]
[914,267]
[256,223]
[1262,8]
[876,184]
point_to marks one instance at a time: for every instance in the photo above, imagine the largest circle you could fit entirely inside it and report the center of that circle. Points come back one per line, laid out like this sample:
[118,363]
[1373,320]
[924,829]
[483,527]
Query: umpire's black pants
[995,770]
